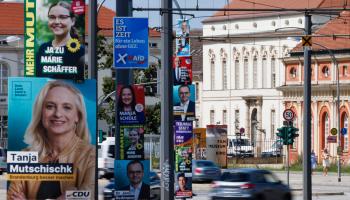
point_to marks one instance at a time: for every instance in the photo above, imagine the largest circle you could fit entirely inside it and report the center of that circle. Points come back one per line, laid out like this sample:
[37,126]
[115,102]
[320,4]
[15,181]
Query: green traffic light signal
[282,133]
[291,134]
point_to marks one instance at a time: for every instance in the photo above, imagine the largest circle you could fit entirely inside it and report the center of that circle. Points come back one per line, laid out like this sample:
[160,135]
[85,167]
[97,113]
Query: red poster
[182,70]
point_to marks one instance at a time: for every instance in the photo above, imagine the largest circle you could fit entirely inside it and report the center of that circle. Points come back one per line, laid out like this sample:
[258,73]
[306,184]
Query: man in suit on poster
[135,172]
[187,106]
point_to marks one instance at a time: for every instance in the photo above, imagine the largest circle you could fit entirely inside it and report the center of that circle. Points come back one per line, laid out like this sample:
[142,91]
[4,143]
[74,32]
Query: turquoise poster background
[22,94]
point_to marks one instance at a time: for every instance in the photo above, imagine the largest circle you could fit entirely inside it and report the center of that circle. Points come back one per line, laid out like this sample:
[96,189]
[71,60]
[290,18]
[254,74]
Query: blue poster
[23,93]
[184,98]
[130,42]
[126,170]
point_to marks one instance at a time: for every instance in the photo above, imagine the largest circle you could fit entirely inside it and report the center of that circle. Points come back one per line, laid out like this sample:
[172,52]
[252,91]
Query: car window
[111,151]
[99,151]
[234,177]
[270,178]
[153,176]
[205,164]
[259,178]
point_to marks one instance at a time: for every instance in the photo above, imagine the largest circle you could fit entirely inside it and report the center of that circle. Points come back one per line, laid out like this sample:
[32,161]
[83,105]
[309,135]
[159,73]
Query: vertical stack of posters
[52,134]
[217,144]
[183,111]
[51,142]
[131,171]
[54,39]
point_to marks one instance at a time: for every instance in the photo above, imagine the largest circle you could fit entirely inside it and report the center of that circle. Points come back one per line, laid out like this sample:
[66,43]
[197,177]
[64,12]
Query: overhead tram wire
[307,10]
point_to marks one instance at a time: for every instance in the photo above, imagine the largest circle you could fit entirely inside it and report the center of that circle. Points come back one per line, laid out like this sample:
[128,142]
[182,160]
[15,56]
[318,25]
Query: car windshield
[205,164]
[240,142]
[153,176]
[234,177]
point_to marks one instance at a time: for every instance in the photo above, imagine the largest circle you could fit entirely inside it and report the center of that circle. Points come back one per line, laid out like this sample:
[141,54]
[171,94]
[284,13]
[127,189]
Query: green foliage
[153,119]
[104,53]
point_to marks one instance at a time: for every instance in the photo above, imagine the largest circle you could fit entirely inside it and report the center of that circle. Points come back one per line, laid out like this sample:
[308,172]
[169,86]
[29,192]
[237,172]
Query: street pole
[166,133]
[92,60]
[338,109]
[123,76]
[307,189]
[288,165]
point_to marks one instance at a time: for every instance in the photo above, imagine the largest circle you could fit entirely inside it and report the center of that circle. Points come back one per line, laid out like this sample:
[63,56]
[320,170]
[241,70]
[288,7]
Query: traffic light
[291,134]
[282,134]
[102,136]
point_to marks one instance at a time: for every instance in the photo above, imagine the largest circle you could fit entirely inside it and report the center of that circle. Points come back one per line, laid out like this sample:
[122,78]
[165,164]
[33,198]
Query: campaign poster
[217,144]
[131,104]
[130,43]
[52,135]
[129,174]
[184,102]
[182,70]
[183,47]
[183,186]
[183,158]
[183,133]
[54,39]
[132,142]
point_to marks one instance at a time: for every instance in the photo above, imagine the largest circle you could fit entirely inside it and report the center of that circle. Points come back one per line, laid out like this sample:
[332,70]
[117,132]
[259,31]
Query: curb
[320,193]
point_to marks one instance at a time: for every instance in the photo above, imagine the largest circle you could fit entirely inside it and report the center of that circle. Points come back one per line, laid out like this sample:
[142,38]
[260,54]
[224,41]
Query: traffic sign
[130,42]
[288,114]
[241,130]
[334,131]
[306,41]
[332,139]
[344,131]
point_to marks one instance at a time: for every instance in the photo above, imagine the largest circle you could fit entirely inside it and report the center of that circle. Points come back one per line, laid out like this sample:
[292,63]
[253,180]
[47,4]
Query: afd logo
[78,194]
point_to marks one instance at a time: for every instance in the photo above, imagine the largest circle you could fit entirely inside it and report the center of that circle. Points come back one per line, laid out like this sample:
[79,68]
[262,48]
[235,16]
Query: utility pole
[307,191]
[339,149]
[166,133]
[122,76]
[92,60]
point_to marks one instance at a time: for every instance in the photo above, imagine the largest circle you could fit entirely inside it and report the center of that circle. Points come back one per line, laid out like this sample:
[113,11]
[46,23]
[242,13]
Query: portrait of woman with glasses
[63,56]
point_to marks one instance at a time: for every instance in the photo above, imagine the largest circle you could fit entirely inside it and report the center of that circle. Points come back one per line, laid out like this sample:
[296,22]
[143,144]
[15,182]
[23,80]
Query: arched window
[326,128]
[212,74]
[273,72]
[212,116]
[236,74]
[293,72]
[325,71]
[245,72]
[4,73]
[255,72]
[224,74]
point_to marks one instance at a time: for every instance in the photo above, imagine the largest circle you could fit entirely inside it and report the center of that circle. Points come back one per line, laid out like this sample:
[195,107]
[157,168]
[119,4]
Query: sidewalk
[321,185]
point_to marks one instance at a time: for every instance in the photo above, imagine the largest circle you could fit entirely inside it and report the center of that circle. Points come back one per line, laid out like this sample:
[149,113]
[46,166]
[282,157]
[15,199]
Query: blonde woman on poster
[59,133]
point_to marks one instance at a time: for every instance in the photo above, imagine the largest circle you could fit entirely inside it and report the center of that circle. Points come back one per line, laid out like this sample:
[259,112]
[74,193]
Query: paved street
[324,187]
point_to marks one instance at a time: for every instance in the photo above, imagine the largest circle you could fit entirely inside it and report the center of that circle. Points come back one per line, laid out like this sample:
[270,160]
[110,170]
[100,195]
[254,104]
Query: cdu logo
[78,195]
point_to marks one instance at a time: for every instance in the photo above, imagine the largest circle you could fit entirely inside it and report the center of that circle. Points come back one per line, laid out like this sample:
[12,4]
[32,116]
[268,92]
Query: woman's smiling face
[59,112]
[60,21]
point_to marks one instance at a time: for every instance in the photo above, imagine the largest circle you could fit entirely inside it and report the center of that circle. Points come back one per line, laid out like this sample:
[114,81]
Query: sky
[155,18]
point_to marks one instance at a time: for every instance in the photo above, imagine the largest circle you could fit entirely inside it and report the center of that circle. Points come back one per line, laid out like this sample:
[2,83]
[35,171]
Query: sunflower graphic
[73,45]
[139,146]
